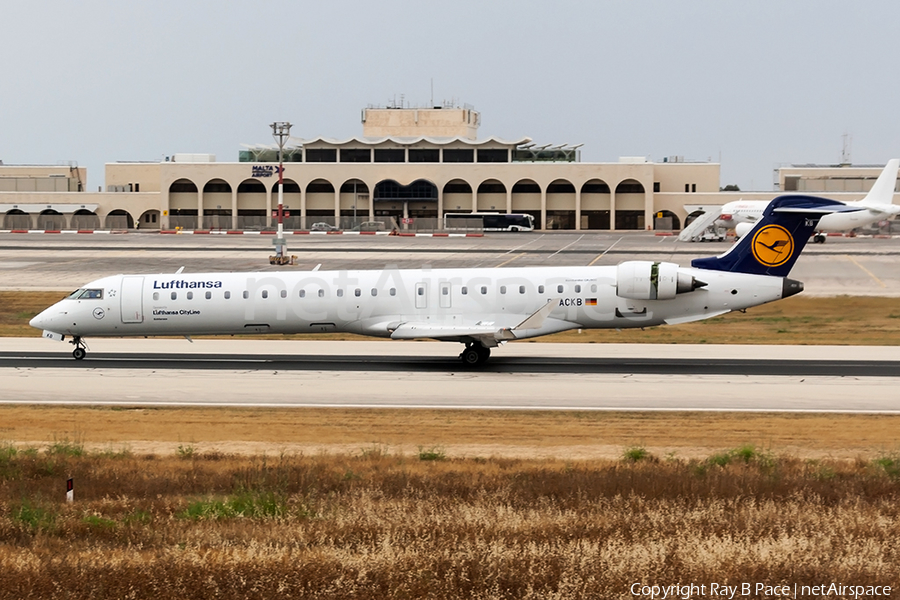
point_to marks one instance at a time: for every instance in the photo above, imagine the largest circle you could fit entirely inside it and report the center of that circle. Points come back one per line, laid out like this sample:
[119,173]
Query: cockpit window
[74,294]
[91,295]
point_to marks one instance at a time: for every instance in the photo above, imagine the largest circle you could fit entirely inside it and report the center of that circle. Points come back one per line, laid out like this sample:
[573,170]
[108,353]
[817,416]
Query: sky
[752,85]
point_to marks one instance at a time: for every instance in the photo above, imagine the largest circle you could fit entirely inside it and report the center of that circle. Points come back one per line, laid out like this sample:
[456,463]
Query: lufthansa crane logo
[772,245]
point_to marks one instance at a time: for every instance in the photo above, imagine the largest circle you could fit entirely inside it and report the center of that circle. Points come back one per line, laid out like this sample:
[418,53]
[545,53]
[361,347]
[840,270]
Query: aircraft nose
[38,321]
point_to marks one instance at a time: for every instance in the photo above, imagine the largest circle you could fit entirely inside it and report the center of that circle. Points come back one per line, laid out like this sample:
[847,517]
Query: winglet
[536,320]
[882,191]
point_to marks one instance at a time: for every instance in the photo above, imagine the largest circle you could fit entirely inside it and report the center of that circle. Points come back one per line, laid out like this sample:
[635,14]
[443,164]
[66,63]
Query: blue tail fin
[773,245]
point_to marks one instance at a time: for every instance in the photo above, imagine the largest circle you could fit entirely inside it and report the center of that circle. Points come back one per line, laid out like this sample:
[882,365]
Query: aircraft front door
[132,300]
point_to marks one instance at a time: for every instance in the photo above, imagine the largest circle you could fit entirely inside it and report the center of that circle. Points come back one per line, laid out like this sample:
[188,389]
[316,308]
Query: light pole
[281,130]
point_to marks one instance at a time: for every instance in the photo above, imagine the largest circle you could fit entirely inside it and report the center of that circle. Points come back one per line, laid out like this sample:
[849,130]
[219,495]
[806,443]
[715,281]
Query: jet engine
[645,280]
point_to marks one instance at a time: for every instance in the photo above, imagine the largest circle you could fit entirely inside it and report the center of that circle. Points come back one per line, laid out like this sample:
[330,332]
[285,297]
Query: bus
[489,221]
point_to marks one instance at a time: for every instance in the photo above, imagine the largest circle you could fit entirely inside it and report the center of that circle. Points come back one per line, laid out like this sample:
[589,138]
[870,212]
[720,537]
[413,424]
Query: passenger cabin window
[593,288]
[303,293]
[540,289]
[559,289]
[357,292]
[577,289]
[208,295]
[420,291]
[483,289]
[340,293]
[521,289]
[464,290]
[284,293]
[393,291]
[190,295]
[502,289]
[445,290]
[174,295]
[374,292]
[246,294]
[156,295]
[227,295]
[321,293]
[265,293]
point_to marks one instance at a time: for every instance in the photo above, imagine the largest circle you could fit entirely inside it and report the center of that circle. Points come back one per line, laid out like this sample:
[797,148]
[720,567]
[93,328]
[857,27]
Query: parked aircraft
[878,205]
[480,308]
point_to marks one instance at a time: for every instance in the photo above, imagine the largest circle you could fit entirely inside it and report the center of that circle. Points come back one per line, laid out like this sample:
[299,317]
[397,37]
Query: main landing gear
[475,354]
[80,350]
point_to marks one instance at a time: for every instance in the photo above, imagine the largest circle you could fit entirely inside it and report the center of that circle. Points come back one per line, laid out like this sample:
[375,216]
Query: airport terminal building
[410,166]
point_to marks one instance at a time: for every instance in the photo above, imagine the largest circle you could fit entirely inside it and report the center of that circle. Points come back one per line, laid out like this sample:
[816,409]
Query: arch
[560,205]
[492,196]
[251,204]
[355,203]
[216,186]
[418,200]
[526,198]
[290,186]
[182,196]
[17,219]
[666,220]
[85,219]
[595,204]
[50,219]
[251,186]
[419,190]
[630,200]
[119,219]
[182,186]
[149,219]
[457,196]
[629,186]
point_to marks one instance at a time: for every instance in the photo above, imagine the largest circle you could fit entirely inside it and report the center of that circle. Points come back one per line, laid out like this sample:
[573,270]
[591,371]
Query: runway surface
[425,374]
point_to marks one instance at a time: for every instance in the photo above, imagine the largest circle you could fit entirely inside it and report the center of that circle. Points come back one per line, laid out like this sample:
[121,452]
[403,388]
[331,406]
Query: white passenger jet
[480,308]
[878,205]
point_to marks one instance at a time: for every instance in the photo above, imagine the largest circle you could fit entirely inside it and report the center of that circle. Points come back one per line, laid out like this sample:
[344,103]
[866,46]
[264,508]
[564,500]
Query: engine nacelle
[742,229]
[646,280]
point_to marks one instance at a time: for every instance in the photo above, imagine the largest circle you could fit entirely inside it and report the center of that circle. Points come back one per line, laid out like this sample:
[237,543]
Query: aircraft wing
[488,333]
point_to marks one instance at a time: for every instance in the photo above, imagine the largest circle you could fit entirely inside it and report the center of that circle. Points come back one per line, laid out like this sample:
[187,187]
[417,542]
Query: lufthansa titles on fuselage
[182,284]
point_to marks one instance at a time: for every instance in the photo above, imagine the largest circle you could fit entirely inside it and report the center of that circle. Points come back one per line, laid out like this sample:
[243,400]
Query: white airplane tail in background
[883,190]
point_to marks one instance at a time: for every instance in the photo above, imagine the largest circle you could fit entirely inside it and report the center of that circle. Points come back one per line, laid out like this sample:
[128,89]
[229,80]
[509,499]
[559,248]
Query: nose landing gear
[475,354]
[80,350]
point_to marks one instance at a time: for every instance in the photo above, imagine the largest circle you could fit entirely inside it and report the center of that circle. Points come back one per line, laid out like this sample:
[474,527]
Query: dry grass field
[376,525]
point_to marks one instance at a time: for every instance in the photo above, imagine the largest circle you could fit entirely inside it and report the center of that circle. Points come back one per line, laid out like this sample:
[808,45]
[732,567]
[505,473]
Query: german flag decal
[591,302]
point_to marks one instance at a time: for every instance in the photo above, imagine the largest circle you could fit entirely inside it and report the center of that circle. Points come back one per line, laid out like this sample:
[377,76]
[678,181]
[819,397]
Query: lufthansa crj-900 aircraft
[878,205]
[480,308]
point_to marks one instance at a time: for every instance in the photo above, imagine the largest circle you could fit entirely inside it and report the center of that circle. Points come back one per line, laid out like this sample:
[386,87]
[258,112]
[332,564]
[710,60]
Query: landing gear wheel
[475,355]
[80,351]
[819,238]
